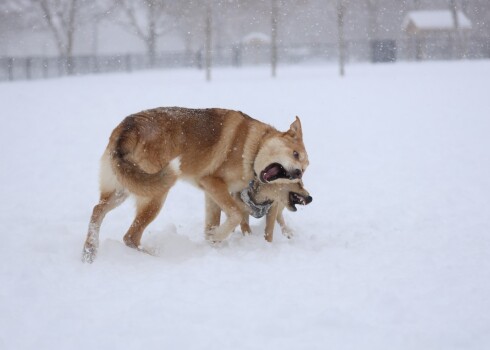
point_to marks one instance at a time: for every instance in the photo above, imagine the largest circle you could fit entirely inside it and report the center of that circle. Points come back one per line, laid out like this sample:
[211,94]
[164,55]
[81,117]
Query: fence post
[28,68]
[60,66]
[10,68]
[199,62]
[237,55]
[45,67]
[128,63]
[95,64]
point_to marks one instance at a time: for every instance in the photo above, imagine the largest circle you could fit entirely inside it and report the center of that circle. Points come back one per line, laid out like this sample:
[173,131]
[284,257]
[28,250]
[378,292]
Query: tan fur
[218,150]
[279,194]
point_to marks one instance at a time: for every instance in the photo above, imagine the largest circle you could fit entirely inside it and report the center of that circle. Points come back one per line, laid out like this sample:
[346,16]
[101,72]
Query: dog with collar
[269,200]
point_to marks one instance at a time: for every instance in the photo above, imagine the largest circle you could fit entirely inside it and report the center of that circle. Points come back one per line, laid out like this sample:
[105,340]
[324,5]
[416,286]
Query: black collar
[257,210]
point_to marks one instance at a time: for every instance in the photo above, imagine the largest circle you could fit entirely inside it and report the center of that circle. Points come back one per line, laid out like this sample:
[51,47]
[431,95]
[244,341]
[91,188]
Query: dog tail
[124,140]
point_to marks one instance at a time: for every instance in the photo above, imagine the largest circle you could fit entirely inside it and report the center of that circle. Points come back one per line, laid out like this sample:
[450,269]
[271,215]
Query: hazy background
[42,38]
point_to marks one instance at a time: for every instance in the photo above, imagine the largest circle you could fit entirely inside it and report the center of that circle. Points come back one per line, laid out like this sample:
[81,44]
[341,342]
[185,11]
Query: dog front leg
[270,221]
[217,189]
[244,224]
[286,231]
[213,213]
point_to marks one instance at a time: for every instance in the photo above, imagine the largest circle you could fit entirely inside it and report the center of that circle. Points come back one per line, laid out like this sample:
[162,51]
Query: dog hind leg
[107,202]
[147,209]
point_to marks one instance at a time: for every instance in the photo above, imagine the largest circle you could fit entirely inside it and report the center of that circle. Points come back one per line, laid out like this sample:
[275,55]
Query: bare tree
[197,21]
[148,20]
[11,20]
[100,11]
[188,15]
[62,19]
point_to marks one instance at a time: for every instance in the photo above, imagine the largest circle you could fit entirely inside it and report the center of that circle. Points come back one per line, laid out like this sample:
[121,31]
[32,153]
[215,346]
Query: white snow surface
[393,253]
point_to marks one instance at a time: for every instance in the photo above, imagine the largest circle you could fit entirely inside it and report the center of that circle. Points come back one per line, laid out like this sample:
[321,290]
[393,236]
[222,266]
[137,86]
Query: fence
[48,67]
[17,68]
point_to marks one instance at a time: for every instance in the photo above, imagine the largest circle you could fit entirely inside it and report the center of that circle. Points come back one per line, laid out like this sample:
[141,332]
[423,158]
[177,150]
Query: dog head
[282,158]
[288,194]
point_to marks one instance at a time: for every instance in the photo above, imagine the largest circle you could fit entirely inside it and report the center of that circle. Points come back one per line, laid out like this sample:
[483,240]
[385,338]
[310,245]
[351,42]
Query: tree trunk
[340,26]
[151,48]
[274,11]
[151,39]
[208,49]
[373,19]
[95,37]
[457,52]
[70,36]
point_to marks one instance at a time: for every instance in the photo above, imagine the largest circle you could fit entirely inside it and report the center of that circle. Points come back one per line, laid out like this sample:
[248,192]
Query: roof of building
[436,20]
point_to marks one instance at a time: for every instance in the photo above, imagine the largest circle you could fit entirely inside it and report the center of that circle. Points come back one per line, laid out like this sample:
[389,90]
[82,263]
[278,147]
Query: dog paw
[213,239]
[287,232]
[245,228]
[149,251]
[128,240]
[215,236]
[89,253]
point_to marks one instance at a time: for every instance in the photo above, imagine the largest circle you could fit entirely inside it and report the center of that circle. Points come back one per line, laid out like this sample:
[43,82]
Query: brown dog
[218,150]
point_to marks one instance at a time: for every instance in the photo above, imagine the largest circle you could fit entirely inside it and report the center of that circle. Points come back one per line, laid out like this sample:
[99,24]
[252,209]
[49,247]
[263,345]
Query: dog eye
[296,155]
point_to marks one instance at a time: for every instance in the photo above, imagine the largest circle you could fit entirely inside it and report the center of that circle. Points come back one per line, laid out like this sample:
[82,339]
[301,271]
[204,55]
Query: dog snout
[309,199]
[296,174]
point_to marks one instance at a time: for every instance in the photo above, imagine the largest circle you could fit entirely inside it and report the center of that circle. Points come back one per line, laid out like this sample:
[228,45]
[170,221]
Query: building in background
[437,33]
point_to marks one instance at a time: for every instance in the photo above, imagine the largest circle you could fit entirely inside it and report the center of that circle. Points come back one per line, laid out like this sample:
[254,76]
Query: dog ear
[295,129]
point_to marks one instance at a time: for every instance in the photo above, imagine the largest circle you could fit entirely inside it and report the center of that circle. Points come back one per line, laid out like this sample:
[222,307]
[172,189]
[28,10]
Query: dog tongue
[273,171]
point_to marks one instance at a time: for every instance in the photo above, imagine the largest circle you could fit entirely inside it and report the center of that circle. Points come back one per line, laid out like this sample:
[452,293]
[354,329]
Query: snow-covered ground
[393,253]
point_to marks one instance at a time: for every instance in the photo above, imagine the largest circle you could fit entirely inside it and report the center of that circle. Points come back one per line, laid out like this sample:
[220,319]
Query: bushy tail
[128,173]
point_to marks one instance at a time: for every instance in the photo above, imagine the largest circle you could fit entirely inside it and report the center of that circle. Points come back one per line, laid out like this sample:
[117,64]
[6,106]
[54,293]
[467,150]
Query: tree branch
[129,10]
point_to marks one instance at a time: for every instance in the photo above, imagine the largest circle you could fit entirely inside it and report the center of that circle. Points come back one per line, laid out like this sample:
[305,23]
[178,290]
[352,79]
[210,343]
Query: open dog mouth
[273,172]
[296,198]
